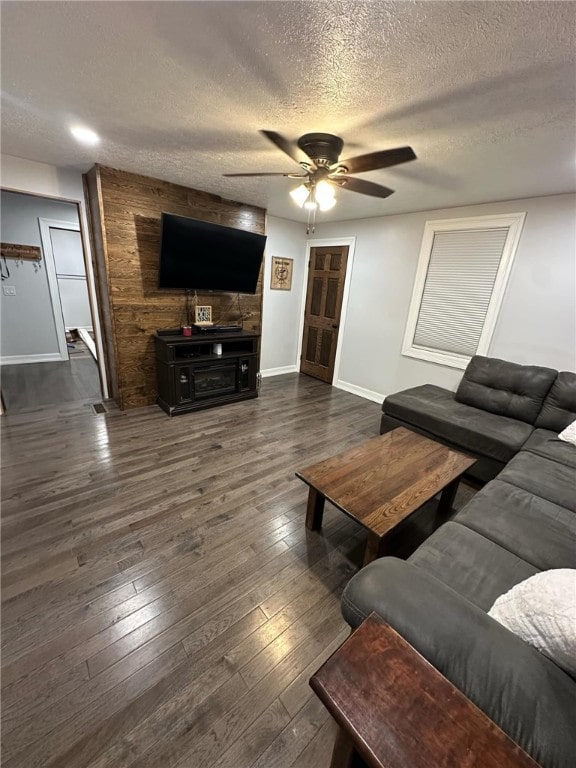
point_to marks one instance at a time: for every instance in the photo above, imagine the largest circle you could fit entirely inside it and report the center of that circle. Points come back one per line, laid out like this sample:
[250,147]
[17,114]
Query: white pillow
[569,434]
[542,611]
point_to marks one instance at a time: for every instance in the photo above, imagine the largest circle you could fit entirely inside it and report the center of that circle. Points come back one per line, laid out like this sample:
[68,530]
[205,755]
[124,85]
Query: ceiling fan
[325,171]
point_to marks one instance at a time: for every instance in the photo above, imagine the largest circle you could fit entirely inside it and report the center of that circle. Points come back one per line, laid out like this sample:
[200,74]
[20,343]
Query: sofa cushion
[475,567]
[542,442]
[434,409]
[543,477]
[505,388]
[482,471]
[535,529]
[559,408]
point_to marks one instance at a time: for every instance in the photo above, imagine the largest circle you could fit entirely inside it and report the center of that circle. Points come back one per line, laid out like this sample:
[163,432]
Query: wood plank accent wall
[125,213]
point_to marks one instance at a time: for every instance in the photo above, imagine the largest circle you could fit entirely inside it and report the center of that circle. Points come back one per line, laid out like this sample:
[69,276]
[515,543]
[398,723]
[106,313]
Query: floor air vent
[98,408]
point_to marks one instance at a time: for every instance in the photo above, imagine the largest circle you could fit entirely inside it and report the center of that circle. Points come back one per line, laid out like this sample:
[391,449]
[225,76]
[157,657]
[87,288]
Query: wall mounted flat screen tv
[197,255]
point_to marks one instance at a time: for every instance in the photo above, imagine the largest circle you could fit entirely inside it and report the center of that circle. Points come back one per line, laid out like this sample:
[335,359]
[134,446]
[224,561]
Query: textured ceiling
[484,92]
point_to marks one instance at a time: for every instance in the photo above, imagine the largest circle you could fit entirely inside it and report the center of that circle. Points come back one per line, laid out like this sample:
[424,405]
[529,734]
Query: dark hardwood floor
[32,385]
[163,603]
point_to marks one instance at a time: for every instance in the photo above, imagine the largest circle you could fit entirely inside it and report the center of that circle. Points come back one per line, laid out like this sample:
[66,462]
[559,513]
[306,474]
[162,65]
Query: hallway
[34,385]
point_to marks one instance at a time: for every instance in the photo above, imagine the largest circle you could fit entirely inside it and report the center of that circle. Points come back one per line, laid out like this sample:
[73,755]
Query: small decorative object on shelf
[203,315]
[281,279]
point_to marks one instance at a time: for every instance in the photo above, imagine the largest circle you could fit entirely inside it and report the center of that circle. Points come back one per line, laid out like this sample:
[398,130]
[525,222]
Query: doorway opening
[329,268]
[48,348]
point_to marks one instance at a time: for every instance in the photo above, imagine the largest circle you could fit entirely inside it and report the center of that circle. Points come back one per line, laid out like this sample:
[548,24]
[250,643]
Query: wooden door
[326,274]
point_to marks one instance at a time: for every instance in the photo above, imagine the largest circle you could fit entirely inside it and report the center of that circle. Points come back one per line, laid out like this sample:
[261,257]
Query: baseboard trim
[50,357]
[279,371]
[368,394]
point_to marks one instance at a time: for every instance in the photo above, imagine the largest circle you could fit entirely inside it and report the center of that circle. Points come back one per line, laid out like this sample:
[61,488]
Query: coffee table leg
[372,548]
[444,508]
[314,510]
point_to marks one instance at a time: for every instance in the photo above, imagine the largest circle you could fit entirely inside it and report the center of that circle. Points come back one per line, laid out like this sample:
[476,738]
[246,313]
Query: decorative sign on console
[203,315]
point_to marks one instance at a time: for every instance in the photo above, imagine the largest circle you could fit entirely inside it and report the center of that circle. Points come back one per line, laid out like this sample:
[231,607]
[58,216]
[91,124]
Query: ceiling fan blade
[374,160]
[282,144]
[361,186]
[291,175]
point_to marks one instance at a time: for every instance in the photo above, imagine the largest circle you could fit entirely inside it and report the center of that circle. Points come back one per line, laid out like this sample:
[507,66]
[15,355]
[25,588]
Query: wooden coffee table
[381,482]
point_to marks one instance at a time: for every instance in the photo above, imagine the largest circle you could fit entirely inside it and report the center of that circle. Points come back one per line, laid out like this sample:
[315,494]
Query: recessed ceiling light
[85,135]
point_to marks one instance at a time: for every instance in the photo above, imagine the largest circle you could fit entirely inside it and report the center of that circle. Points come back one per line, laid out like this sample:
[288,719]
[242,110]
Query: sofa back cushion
[559,407]
[504,388]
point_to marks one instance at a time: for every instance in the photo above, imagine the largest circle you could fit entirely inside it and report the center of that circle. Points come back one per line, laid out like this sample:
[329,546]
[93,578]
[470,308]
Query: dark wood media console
[191,376]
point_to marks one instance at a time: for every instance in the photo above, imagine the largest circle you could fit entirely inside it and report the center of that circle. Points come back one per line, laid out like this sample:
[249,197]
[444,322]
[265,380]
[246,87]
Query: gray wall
[537,321]
[282,309]
[27,322]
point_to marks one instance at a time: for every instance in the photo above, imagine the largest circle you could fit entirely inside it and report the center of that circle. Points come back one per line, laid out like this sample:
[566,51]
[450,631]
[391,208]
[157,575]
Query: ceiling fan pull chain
[310,227]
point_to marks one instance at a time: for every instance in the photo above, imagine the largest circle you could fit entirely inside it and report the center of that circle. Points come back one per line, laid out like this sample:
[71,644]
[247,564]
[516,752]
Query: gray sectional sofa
[520,523]
[496,408]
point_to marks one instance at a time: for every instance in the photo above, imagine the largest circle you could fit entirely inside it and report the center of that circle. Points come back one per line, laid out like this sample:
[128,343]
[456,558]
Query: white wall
[43,179]
[282,309]
[537,321]
[40,178]
[28,330]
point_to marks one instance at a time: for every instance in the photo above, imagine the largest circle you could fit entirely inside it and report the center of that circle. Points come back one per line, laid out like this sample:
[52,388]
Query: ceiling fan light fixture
[324,195]
[319,196]
[300,195]
[327,205]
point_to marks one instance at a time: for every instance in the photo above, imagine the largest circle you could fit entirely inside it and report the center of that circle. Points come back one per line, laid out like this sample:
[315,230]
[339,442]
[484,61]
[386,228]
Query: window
[462,273]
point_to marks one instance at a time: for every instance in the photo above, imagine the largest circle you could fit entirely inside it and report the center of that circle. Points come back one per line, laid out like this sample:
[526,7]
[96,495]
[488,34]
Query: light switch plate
[9,290]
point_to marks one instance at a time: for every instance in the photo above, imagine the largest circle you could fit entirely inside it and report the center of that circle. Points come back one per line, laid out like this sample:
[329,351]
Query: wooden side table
[395,710]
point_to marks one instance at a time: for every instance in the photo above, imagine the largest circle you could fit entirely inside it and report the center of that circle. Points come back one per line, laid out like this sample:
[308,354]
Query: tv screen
[200,256]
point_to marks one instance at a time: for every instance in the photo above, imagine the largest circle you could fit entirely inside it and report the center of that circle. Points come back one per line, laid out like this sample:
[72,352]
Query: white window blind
[459,281]
[462,272]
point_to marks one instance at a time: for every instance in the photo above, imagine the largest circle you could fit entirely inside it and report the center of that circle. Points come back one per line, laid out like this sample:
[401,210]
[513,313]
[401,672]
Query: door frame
[321,243]
[45,226]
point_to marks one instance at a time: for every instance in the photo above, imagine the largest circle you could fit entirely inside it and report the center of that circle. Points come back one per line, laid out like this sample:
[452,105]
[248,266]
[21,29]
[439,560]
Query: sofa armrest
[522,691]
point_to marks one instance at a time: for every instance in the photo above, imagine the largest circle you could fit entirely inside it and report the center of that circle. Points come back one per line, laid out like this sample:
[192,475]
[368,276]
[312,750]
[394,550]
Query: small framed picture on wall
[281,278]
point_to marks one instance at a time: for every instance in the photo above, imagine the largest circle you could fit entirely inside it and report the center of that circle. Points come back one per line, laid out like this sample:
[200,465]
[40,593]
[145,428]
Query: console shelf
[191,376]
